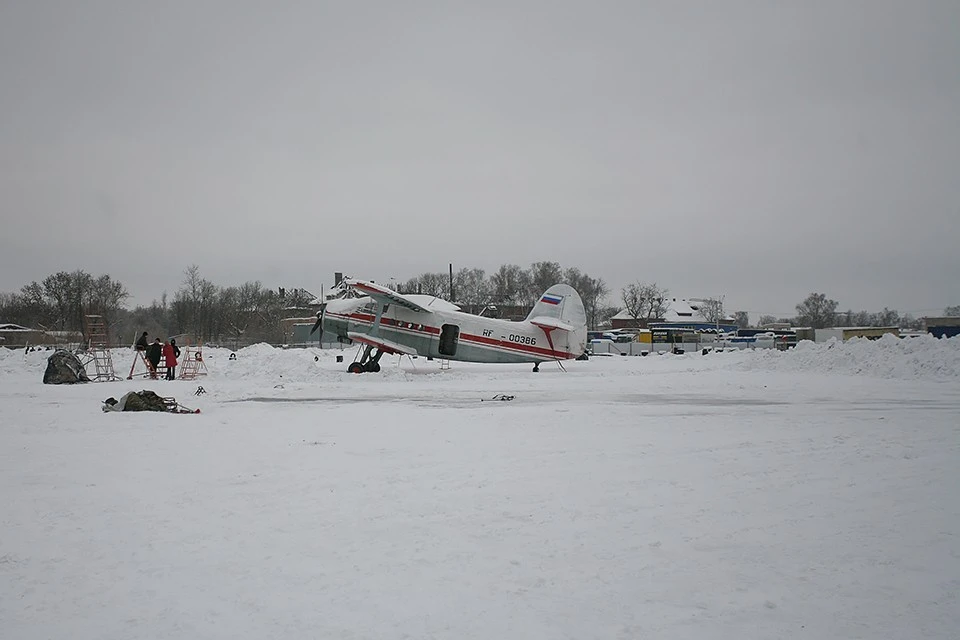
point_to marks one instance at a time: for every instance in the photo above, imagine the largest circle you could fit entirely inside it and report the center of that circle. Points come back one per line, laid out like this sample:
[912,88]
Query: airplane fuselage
[453,335]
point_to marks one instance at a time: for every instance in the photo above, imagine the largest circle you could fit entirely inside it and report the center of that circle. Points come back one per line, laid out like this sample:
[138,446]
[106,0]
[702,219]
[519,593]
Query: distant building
[944,327]
[846,333]
[14,336]
[680,314]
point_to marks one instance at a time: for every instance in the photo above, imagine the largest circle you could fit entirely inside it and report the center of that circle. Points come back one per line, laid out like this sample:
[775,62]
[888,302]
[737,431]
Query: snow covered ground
[809,493]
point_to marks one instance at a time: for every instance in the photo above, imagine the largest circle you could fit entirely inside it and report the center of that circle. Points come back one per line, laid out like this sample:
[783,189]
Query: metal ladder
[98,349]
[192,366]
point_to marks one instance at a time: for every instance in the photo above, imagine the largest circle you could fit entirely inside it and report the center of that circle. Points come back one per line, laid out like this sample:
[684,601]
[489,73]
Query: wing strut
[375,331]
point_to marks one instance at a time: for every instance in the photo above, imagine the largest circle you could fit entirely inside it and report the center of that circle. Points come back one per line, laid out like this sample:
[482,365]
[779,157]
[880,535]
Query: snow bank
[270,364]
[257,350]
[919,358]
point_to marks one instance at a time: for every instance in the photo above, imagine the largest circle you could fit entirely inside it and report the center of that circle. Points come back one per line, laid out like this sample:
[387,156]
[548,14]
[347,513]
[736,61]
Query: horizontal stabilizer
[546,322]
[387,346]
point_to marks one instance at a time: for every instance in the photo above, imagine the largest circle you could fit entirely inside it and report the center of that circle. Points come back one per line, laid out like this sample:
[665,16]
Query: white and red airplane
[414,324]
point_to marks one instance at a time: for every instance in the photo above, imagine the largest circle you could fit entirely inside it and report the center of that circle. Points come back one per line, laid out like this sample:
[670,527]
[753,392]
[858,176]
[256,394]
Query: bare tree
[193,305]
[886,318]
[472,287]
[817,311]
[604,313]
[907,321]
[644,302]
[952,312]
[766,320]
[591,290]
[29,308]
[80,292]
[410,286]
[543,275]
[434,284]
[57,287]
[509,284]
[77,294]
[106,298]
[742,318]
[711,309]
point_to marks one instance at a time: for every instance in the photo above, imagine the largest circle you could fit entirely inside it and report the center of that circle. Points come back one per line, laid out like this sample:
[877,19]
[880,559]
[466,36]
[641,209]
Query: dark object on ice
[145,401]
[502,397]
[64,368]
[200,391]
[233,356]
[583,356]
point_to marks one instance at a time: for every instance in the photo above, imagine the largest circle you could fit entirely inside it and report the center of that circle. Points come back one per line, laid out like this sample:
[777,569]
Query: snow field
[739,494]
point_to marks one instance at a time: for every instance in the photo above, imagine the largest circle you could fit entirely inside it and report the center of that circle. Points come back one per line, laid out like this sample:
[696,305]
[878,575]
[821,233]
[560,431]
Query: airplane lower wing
[386,346]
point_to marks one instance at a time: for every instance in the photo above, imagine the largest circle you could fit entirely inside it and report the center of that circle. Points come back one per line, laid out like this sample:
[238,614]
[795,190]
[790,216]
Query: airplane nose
[319,322]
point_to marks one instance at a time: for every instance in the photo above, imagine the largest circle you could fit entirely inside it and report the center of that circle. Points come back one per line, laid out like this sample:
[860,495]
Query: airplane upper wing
[387,346]
[385,295]
[545,322]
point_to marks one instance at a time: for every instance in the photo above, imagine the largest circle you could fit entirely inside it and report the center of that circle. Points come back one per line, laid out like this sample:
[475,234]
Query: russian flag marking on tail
[551,299]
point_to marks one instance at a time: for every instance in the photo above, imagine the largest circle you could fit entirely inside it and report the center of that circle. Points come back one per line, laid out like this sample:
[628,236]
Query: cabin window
[449,336]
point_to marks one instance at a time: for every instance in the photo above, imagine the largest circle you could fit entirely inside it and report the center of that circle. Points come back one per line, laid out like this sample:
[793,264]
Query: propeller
[319,322]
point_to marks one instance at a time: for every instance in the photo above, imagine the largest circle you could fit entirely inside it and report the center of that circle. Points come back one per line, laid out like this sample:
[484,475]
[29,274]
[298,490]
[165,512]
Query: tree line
[199,309]
[60,301]
[512,285]
[251,312]
[819,312]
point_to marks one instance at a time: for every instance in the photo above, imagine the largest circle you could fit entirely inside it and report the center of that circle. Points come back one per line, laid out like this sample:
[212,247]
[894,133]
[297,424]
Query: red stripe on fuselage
[510,347]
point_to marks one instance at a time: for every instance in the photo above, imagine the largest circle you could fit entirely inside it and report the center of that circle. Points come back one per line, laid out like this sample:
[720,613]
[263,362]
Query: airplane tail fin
[562,303]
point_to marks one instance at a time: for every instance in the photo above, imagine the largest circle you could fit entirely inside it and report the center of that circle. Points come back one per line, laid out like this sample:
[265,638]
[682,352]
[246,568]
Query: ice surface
[809,493]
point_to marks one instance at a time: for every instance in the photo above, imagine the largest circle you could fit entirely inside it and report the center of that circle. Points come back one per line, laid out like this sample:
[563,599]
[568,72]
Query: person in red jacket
[170,359]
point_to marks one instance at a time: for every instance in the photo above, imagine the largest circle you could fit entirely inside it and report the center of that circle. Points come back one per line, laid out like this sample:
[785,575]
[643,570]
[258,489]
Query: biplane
[387,322]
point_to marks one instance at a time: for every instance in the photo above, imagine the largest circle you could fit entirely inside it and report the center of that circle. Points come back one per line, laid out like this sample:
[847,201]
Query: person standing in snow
[170,359]
[153,356]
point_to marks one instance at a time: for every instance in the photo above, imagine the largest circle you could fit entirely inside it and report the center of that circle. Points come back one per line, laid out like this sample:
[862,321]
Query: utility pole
[716,306]
[453,298]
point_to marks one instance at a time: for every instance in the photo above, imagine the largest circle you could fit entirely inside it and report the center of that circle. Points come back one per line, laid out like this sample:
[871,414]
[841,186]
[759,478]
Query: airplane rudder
[563,302]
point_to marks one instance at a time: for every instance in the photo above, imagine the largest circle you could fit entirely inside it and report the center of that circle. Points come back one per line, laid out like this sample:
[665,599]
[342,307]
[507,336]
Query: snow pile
[919,358]
[257,350]
[13,362]
[266,363]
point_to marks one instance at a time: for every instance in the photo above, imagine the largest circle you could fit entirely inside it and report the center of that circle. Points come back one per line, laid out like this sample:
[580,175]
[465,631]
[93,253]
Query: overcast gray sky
[758,150]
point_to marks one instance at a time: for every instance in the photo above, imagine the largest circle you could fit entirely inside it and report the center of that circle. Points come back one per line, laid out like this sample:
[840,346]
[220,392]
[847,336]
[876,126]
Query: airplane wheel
[355,367]
[536,368]
[372,367]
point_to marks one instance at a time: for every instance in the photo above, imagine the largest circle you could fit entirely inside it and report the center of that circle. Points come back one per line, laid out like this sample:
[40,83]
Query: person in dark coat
[142,343]
[170,359]
[154,351]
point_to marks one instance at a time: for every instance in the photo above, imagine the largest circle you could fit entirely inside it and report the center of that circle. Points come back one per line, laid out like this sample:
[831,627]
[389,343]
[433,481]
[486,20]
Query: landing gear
[367,362]
[536,367]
